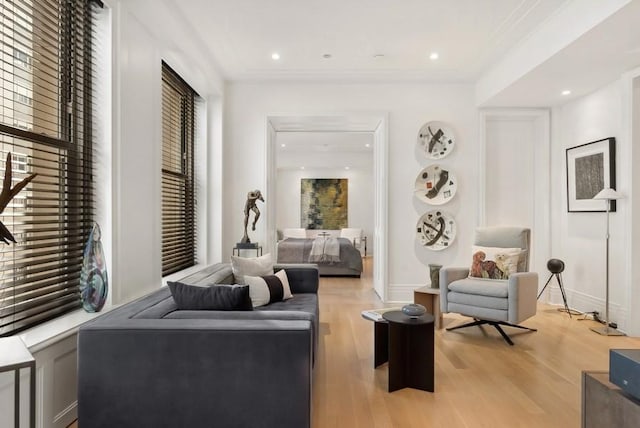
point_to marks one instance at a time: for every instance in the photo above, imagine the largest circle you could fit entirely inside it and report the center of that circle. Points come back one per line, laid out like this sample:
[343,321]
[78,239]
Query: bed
[298,250]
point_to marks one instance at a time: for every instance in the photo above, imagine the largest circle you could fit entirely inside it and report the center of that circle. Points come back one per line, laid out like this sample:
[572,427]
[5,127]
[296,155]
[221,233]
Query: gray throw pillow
[214,297]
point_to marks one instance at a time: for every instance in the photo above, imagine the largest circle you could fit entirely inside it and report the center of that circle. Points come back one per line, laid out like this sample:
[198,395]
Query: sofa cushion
[218,273]
[269,288]
[478,300]
[252,266]
[306,302]
[302,306]
[299,307]
[481,287]
[215,297]
[159,309]
[480,313]
[494,262]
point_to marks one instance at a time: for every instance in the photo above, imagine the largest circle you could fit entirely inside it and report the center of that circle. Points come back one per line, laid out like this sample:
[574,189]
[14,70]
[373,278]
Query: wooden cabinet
[606,405]
[430,299]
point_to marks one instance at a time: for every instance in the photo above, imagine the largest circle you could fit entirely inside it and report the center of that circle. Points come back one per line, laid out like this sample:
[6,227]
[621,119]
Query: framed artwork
[436,230]
[435,185]
[591,167]
[436,140]
[324,203]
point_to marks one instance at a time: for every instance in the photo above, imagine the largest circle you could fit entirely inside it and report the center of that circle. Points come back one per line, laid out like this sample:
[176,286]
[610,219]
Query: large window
[178,202]
[46,123]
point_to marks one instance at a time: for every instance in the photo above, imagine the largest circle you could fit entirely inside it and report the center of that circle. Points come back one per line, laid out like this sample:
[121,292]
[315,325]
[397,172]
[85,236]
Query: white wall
[360,209]
[579,238]
[136,242]
[409,106]
[515,166]
[128,183]
[139,48]
[632,122]
[509,171]
[570,22]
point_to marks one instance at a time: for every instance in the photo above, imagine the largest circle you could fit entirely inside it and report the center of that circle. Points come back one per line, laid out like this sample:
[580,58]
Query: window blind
[178,202]
[46,124]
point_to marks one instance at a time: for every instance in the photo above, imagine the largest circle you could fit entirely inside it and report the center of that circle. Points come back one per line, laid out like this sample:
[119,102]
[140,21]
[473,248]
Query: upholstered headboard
[293,233]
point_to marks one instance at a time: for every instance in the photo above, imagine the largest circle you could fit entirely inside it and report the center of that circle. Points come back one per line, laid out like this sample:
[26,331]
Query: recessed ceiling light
[346,167]
[566,92]
[433,56]
[283,145]
[275,56]
[326,56]
[301,167]
[367,145]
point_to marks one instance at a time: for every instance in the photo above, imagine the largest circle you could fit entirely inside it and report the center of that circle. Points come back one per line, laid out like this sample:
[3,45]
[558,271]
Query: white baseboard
[67,416]
[586,303]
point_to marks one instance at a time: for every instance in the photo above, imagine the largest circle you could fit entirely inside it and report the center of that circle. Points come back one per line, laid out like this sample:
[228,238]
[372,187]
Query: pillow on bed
[269,288]
[294,233]
[253,266]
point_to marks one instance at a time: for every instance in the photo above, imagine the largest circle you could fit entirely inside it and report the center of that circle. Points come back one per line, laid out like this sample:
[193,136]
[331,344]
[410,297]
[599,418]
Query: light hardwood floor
[480,380]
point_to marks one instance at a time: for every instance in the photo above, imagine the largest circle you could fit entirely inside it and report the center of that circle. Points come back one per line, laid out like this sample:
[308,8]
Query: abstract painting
[591,167]
[436,140]
[436,230]
[324,203]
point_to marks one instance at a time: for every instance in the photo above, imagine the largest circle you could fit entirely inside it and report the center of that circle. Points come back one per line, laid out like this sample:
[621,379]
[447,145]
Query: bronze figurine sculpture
[250,205]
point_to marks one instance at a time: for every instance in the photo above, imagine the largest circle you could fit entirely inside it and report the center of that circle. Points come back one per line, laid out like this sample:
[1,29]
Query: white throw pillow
[254,266]
[268,288]
[494,262]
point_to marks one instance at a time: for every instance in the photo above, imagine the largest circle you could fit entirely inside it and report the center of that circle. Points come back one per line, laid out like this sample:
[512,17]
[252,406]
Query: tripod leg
[564,296]
[545,286]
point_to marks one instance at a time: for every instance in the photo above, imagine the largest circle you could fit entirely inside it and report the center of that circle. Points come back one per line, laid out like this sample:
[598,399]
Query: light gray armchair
[494,302]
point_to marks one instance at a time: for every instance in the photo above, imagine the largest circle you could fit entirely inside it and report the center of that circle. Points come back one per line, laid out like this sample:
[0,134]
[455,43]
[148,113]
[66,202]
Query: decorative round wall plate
[436,140]
[436,230]
[435,185]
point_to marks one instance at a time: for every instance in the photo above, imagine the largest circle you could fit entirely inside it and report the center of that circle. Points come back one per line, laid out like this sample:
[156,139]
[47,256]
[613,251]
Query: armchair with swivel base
[499,303]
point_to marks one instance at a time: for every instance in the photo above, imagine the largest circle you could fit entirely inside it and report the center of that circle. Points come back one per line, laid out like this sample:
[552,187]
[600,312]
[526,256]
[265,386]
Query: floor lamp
[607,195]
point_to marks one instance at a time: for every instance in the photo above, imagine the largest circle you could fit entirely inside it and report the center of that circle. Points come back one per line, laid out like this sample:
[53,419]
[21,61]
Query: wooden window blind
[46,66]
[178,202]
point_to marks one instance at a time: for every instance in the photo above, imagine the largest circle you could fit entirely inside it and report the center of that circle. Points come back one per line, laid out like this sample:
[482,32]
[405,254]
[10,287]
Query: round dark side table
[411,354]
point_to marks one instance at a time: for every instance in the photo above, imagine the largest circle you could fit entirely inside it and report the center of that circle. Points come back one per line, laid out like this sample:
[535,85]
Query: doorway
[320,136]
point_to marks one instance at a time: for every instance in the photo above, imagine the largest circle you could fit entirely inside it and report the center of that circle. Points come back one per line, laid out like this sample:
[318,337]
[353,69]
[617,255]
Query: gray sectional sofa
[147,364]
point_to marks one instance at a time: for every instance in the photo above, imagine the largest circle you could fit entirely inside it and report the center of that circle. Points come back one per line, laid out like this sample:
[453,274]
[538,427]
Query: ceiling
[597,58]
[325,149]
[469,35]
[322,142]
[348,122]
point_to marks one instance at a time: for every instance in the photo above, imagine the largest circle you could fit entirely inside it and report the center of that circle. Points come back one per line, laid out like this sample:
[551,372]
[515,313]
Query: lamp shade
[608,194]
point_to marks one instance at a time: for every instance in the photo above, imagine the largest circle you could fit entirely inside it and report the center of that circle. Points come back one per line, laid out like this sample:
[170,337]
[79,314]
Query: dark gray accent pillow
[211,298]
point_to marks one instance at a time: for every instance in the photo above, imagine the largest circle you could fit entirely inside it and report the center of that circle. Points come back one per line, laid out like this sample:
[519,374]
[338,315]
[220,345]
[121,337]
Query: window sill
[183,273]
[41,336]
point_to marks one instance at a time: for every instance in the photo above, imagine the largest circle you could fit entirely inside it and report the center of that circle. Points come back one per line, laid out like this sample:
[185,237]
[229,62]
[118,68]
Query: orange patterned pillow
[494,262]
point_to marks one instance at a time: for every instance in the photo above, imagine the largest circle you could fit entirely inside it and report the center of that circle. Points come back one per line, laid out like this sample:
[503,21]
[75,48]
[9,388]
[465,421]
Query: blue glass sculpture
[93,276]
